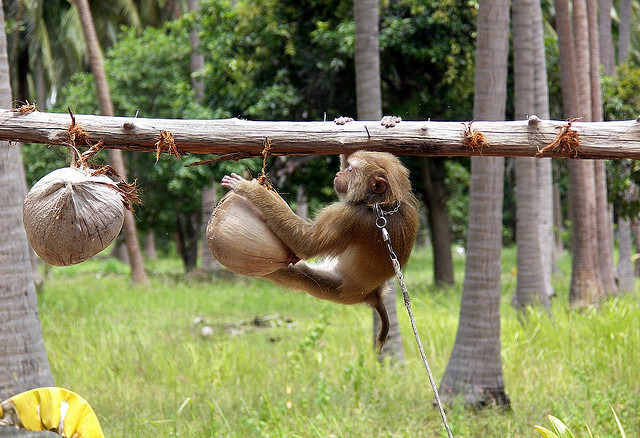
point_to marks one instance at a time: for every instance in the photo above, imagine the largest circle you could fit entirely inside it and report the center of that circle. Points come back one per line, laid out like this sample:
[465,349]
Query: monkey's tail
[384,325]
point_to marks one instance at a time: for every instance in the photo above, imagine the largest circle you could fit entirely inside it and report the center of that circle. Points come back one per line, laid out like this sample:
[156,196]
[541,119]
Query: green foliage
[560,430]
[427,51]
[621,93]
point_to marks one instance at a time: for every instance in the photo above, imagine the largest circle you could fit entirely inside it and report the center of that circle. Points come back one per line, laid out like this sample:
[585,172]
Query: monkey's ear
[379,185]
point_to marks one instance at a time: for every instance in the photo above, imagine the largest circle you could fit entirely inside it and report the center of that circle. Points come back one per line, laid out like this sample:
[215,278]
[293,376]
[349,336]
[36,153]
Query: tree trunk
[558,223]
[544,167]
[197,58]
[606,40]
[564,29]
[625,267]
[624,31]
[116,159]
[393,348]
[586,285]
[435,197]
[209,201]
[23,359]
[150,245]
[367,59]
[474,371]
[188,227]
[604,222]
[369,107]
[302,204]
[530,288]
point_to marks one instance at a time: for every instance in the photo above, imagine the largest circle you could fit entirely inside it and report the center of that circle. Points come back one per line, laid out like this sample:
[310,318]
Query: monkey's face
[341,180]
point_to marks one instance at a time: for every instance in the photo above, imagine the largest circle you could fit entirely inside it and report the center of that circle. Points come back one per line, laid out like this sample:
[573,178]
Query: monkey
[345,232]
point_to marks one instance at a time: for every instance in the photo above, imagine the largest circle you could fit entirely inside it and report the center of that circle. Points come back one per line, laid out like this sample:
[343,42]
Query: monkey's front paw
[390,121]
[231,181]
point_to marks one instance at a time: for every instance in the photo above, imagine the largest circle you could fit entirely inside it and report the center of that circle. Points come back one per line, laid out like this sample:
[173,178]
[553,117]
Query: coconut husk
[241,241]
[70,215]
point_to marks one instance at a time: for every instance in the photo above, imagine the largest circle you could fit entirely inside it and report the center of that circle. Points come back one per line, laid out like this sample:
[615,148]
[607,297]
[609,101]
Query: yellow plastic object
[54,409]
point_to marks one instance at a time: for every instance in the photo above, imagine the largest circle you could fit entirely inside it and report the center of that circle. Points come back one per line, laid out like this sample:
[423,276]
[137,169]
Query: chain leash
[381,223]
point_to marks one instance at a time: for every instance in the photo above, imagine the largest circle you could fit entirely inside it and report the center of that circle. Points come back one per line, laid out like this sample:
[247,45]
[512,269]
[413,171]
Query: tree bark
[196,57]
[625,267]
[564,29]
[606,40]
[302,204]
[544,167]
[624,31]
[604,220]
[23,359]
[116,159]
[435,197]
[530,288]
[558,223]
[369,107]
[150,245]
[474,371]
[367,59]
[586,284]
[209,201]
[521,138]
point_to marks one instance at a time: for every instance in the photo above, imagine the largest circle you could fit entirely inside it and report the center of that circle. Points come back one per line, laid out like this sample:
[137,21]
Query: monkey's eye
[350,168]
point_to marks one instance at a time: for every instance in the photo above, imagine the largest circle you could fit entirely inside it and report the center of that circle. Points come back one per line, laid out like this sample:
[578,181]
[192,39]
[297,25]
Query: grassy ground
[136,356]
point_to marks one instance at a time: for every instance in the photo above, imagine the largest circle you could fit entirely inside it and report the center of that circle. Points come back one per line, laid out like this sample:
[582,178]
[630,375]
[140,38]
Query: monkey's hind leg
[323,284]
[377,303]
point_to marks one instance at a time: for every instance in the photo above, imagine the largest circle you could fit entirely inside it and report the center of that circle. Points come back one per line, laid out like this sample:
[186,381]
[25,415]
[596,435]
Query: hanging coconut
[72,214]
[241,241]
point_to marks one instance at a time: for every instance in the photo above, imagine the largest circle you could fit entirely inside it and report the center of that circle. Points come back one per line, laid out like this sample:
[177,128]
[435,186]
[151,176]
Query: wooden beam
[600,140]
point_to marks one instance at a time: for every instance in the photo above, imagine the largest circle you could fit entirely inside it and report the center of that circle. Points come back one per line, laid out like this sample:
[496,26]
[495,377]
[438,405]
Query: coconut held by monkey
[75,212]
[374,189]
[241,241]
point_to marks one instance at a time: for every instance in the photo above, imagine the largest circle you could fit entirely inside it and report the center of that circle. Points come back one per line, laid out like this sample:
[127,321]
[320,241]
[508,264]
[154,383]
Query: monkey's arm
[324,237]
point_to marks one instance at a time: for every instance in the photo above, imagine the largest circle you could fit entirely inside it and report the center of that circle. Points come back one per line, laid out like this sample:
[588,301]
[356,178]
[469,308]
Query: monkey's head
[371,177]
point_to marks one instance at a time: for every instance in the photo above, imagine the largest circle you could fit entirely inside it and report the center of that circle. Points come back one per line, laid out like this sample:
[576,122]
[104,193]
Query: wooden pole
[599,140]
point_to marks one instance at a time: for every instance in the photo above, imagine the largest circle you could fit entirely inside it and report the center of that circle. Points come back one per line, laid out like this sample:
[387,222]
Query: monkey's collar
[381,220]
[380,211]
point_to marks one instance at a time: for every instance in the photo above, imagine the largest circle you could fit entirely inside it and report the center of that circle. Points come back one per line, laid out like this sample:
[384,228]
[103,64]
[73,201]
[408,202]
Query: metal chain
[381,222]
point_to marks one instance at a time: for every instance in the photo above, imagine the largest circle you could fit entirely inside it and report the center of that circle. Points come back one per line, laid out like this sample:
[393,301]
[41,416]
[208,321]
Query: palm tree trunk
[115,156]
[435,197]
[474,371]
[625,267]
[624,31]
[575,65]
[23,359]
[544,167]
[196,58]
[209,201]
[369,107]
[569,86]
[606,40]
[604,221]
[367,59]
[530,288]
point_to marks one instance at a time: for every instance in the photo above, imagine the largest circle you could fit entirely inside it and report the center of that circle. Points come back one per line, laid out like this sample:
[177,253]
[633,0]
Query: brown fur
[346,231]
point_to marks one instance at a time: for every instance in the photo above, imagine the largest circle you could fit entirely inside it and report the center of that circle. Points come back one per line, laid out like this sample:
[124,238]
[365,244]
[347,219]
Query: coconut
[240,239]
[71,214]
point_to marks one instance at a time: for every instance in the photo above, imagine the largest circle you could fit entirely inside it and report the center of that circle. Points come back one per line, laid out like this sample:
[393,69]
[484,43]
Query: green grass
[135,355]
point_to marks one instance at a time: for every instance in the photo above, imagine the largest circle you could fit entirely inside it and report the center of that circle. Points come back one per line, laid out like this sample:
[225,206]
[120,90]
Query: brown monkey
[346,232]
